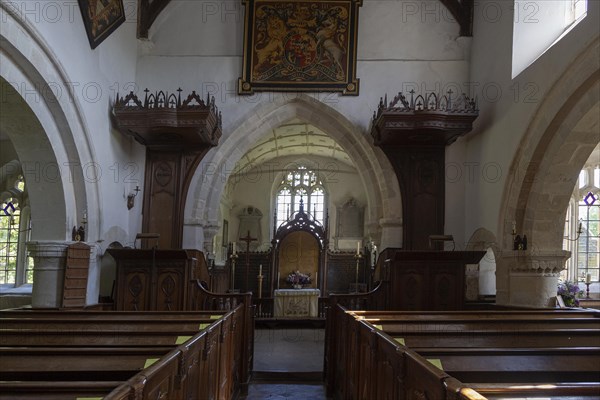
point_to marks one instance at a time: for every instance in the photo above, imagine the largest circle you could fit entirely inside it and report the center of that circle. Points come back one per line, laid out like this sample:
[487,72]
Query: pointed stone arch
[47,127]
[35,85]
[558,141]
[376,173]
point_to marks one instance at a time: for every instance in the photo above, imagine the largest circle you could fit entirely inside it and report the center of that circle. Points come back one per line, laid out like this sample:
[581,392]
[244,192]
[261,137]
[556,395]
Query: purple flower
[569,291]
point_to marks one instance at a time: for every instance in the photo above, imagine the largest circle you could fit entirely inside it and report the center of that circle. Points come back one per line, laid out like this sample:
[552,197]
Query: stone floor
[288,364]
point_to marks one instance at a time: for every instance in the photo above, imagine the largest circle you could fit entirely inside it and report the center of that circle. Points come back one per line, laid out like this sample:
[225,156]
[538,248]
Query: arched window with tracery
[300,183]
[582,224]
[16,268]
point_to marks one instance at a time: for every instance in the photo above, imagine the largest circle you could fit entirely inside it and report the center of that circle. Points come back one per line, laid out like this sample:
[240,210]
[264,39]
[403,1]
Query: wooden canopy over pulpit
[413,133]
[177,134]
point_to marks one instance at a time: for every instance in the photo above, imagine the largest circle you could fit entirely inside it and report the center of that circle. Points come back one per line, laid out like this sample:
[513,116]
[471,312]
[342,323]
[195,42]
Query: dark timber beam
[462,11]
[148,11]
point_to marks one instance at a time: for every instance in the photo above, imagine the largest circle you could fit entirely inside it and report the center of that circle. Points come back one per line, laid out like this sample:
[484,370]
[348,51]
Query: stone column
[49,260]
[391,232]
[531,277]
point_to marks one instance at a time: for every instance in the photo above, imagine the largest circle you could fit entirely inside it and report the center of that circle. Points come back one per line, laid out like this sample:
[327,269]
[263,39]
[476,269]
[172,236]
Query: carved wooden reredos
[300,222]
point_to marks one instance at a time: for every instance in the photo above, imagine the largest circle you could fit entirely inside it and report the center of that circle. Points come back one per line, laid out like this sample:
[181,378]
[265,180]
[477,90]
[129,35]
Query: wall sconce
[131,198]
[519,243]
[579,232]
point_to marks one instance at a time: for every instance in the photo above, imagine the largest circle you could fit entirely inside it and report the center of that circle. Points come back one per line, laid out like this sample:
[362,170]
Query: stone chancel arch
[376,174]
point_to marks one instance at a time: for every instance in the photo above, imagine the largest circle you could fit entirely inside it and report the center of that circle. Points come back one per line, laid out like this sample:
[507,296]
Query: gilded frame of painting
[101,18]
[300,46]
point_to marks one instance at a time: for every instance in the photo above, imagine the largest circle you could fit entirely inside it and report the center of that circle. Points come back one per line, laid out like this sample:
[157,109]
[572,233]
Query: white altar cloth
[297,303]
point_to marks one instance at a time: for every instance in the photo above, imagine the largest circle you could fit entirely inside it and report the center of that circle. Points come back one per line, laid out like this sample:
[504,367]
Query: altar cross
[247,239]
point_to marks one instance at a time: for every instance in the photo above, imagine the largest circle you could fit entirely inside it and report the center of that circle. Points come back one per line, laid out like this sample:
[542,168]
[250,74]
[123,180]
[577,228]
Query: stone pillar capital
[541,262]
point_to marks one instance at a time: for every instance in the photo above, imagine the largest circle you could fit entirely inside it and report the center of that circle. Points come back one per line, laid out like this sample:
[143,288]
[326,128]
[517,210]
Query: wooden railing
[372,300]
[205,300]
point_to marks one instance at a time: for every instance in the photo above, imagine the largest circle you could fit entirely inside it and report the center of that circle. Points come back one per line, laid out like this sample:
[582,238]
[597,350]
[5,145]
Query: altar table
[297,303]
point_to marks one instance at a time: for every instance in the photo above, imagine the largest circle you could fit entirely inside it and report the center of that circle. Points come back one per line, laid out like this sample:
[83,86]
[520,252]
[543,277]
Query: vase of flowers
[298,280]
[569,291]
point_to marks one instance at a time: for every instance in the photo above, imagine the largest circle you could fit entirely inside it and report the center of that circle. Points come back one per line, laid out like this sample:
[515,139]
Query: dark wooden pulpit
[156,280]
[429,280]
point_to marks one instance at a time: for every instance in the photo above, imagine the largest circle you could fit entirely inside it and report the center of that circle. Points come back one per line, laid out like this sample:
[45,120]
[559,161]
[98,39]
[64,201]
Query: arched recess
[377,175]
[558,141]
[44,121]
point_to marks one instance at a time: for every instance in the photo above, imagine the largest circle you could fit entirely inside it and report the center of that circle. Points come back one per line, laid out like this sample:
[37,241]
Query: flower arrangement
[298,278]
[569,291]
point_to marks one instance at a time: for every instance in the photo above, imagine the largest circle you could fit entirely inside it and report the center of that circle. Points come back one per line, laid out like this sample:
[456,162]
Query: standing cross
[247,239]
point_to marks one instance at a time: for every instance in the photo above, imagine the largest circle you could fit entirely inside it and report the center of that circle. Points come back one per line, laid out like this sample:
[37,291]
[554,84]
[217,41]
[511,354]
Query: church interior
[253,199]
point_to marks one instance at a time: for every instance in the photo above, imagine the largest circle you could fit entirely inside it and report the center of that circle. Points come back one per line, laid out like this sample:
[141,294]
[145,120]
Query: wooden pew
[370,364]
[44,390]
[182,370]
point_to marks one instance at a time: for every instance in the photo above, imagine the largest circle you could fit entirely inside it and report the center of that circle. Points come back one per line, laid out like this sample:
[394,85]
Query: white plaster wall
[92,79]
[422,52]
[508,105]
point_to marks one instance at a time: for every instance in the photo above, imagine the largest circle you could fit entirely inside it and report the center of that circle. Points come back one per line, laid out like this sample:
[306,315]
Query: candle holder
[233,257]
[260,285]
[587,289]
[358,257]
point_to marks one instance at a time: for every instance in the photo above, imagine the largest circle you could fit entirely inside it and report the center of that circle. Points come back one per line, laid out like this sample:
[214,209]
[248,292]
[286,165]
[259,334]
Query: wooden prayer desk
[297,303]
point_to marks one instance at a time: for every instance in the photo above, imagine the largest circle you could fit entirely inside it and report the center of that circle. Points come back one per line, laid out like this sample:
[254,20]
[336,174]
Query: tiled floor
[283,352]
[289,349]
[260,391]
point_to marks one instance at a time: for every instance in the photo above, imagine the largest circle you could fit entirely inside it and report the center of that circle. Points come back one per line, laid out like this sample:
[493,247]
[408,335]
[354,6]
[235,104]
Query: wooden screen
[299,251]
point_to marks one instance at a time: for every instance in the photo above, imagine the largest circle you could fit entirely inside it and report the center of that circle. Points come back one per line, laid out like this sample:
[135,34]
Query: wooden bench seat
[150,355]
[114,315]
[503,314]
[96,338]
[500,338]
[68,325]
[386,355]
[544,365]
[530,389]
[461,325]
[65,390]
[84,363]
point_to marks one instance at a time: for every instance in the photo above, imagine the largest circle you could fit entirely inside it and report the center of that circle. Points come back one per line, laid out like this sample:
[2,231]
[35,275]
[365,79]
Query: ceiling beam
[462,11]
[148,10]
